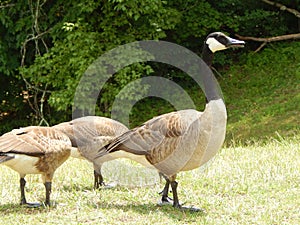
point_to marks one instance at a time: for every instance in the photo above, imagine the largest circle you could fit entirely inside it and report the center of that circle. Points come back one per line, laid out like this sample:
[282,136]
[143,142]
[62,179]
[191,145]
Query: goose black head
[218,41]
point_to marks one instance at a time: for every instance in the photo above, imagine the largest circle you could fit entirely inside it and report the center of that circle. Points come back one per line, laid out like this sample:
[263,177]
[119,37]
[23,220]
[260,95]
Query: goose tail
[125,143]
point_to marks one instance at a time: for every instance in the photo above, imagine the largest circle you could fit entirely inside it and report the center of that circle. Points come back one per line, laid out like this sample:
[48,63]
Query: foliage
[13,105]
[46,46]
[84,40]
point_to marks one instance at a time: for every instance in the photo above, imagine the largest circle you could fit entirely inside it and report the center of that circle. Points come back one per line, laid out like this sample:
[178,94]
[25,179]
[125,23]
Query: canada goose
[34,150]
[90,133]
[182,140]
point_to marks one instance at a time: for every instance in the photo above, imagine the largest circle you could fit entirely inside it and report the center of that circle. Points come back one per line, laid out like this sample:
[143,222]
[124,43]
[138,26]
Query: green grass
[257,184]
[262,94]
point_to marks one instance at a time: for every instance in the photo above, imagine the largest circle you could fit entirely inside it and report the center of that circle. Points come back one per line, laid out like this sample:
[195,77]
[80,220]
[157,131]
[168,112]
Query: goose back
[84,129]
[90,133]
[34,150]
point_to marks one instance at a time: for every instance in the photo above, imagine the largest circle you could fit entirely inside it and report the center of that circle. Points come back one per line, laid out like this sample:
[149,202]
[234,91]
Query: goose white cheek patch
[214,45]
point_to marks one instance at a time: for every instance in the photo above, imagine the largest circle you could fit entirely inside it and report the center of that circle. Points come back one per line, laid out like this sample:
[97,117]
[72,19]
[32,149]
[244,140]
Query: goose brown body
[177,141]
[90,133]
[34,150]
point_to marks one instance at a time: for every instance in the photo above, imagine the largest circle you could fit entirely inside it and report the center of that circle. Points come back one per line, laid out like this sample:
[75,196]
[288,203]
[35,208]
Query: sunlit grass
[257,184]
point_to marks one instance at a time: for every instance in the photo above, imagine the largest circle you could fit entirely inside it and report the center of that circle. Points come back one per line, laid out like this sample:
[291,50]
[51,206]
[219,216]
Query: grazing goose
[34,150]
[182,140]
[90,133]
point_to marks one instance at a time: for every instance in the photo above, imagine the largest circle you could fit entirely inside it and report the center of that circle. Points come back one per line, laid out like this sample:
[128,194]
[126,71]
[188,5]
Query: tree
[46,46]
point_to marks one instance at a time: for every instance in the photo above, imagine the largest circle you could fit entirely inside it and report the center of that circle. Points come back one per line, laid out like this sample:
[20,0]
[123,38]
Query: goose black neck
[211,91]
[207,55]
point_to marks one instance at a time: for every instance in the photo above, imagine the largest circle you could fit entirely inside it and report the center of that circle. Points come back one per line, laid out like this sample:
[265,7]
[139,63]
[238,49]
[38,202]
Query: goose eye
[222,40]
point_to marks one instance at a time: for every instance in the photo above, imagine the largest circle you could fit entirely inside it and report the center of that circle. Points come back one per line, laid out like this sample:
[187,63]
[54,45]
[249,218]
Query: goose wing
[101,126]
[33,141]
[142,140]
[82,130]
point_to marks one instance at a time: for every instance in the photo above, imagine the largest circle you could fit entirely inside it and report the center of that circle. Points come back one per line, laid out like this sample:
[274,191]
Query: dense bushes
[46,47]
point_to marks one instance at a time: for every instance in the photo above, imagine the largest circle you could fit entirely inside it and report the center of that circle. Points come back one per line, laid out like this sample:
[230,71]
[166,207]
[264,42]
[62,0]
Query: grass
[262,94]
[257,184]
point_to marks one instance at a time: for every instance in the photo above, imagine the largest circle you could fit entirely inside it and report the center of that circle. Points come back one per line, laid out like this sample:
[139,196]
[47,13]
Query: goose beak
[235,43]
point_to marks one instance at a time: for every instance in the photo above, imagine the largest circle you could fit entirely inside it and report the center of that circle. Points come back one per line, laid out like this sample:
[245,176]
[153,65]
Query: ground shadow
[11,208]
[146,208]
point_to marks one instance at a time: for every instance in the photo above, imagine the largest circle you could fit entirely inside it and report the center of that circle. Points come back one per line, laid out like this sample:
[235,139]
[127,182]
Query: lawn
[256,184]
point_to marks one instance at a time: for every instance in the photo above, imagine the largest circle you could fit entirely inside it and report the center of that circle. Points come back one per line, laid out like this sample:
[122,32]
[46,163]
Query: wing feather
[142,140]
[33,141]
[82,130]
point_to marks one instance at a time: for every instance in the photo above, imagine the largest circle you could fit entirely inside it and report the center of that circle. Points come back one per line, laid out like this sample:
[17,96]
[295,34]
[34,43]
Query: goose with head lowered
[34,150]
[88,133]
[185,139]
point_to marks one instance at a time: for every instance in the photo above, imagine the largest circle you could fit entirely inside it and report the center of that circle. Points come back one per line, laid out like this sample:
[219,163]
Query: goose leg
[174,185]
[165,199]
[165,191]
[48,186]
[98,180]
[176,204]
[23,198]
[22,187]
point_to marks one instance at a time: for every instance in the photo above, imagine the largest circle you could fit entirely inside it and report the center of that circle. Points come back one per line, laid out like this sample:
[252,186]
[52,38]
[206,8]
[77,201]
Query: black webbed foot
[31,205]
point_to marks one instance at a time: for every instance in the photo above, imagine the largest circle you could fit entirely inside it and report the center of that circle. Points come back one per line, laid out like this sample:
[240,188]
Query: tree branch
[23,54]
[36,36]
[43,120]
[6,6]
[283,7]
[33,38]
[268,40]
[271,39]
[260,47]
